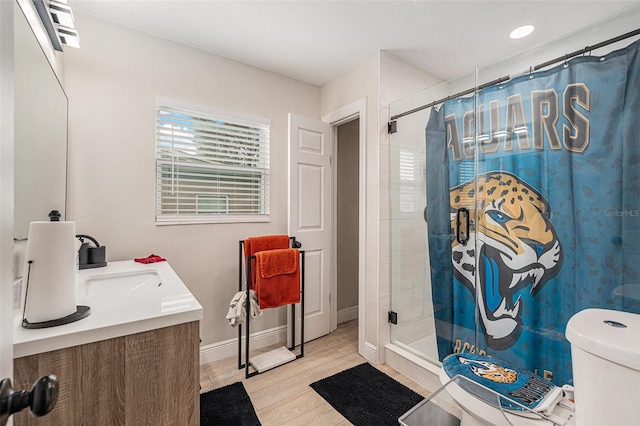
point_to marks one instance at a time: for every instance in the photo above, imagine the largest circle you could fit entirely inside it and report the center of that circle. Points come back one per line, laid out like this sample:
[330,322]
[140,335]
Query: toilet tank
[605,354]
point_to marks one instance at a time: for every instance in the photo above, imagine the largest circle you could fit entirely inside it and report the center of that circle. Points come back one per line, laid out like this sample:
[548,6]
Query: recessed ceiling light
[522,31]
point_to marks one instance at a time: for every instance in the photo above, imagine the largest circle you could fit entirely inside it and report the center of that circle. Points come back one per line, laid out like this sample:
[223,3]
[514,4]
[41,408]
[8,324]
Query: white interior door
[310,218]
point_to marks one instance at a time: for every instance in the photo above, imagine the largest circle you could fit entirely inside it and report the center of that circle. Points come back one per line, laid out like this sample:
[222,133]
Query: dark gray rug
[366,396]
[227,406]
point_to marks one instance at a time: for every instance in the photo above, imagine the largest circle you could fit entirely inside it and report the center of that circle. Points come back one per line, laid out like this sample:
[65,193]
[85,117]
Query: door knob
[40,399]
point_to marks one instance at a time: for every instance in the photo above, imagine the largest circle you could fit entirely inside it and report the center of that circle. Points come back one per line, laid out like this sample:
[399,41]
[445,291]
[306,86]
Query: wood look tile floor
[282,396]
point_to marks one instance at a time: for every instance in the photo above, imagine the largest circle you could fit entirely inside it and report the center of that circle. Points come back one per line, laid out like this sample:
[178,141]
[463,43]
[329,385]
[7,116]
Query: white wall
[112,82]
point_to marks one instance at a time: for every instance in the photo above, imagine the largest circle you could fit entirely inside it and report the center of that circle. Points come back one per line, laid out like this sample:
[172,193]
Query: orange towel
[254,245]
[268,242]
[277,262]
[278,282]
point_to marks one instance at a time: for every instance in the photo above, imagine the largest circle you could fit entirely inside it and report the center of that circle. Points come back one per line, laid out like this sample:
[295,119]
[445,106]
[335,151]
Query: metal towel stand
[247,270]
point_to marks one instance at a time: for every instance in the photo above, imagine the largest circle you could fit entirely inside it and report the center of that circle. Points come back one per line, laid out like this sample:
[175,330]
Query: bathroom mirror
[40,132]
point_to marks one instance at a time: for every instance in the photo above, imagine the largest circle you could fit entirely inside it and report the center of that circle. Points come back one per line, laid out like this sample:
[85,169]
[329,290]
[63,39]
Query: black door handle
[40,399]
[462,225]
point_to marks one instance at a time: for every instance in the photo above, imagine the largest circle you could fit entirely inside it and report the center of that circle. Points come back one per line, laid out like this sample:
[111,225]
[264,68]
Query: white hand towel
[237,307]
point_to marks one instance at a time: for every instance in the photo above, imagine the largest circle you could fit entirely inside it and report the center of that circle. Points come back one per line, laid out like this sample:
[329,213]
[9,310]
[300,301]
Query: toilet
[605,352]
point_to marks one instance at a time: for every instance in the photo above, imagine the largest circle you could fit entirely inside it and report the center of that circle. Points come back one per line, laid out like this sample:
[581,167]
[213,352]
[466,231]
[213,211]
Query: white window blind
[210,168]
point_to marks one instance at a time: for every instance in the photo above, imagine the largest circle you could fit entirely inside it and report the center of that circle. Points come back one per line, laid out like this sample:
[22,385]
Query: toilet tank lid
[612,335]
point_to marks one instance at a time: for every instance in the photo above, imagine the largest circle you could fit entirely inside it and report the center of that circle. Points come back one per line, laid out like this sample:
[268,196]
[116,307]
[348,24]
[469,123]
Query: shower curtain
[554,202]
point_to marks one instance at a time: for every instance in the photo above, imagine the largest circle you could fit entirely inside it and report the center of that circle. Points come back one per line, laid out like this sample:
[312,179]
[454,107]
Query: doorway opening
[348,133]
[347,218]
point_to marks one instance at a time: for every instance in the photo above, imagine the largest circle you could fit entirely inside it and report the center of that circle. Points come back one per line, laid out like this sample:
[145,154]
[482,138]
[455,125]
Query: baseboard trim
[370,353]
[347,314]
[228,348]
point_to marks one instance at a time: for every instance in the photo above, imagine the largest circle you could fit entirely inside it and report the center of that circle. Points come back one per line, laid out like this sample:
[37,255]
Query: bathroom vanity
[133,361]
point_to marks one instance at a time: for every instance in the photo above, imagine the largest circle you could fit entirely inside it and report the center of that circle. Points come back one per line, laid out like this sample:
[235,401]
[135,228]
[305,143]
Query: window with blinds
[410,194]
[210,168]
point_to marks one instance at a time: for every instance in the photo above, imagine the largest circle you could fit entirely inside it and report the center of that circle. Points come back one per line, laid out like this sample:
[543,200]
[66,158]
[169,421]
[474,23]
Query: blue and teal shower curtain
[554,204]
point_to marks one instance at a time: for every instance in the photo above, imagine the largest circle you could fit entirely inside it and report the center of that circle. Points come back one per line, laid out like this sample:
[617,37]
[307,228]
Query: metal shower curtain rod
[566,57]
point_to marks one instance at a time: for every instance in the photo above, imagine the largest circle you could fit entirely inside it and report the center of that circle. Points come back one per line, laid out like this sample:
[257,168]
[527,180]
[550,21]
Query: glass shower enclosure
[515,201]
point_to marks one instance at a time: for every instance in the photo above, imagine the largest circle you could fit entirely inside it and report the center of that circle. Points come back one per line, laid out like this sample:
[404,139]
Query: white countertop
[116,310]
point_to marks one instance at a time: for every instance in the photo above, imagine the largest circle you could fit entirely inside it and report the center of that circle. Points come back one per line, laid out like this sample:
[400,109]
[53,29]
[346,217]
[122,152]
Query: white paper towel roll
[50,292]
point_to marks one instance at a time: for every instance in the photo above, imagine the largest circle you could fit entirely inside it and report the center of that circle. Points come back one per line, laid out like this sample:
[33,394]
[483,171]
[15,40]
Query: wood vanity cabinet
[149,378]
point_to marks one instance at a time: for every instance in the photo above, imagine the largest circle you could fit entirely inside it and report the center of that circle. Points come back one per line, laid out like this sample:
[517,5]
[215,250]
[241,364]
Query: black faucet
[91,257]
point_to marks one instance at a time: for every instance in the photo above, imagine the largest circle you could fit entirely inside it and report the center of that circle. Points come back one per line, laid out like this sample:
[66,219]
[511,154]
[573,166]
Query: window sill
[196,220]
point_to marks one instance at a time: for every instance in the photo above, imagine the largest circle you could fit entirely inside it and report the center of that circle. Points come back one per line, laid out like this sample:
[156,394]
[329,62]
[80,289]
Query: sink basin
[125,298]
[137,282]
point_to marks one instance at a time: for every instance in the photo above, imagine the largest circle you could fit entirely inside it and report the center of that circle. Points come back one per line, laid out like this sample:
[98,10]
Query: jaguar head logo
[490,371]
[517,250]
